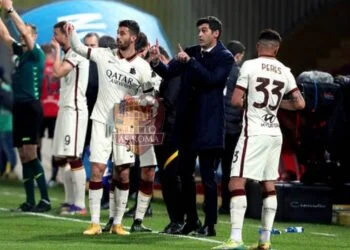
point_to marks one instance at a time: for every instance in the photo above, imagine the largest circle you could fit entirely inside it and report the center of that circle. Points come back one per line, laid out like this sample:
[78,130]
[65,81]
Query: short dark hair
[270,35]
[60,25]
[141,41]
[107,42]
[235,47]
[163,52]
[214,23]
[91,34]
[132,25]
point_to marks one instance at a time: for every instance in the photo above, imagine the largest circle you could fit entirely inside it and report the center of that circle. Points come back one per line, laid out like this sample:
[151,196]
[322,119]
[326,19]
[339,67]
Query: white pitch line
[20,195]
[85,221]
[324,234]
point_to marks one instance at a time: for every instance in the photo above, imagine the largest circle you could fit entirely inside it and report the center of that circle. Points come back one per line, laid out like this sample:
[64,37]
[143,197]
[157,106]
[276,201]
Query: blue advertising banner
[87,16]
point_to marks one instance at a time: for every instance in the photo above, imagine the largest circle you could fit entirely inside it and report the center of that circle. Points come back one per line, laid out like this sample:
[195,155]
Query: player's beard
[123,46]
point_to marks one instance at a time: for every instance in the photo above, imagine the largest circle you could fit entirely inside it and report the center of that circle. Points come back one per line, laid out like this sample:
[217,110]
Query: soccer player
[121,73]
[72,119]
[28,114]
[261,85]
[142,47]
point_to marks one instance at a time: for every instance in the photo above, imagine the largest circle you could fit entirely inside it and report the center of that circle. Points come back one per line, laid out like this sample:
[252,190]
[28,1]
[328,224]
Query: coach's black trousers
[168,165]
[208,164]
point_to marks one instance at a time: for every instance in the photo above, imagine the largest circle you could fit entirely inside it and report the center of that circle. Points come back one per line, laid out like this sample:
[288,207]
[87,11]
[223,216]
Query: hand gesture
[182,56]
[7,4]
[55,44]
[154,53]
[68,28]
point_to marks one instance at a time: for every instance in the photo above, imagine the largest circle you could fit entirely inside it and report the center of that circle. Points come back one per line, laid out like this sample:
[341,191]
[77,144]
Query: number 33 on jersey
[265,81]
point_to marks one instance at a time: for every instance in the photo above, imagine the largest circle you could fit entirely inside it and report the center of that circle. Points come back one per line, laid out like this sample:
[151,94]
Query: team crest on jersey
[138,123]
[132,71]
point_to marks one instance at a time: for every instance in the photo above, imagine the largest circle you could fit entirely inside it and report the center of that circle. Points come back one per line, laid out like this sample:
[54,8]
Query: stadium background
[315,32]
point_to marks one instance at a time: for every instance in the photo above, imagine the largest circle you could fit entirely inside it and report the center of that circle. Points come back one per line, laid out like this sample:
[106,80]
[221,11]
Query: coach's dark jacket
[200,110]
[233,116]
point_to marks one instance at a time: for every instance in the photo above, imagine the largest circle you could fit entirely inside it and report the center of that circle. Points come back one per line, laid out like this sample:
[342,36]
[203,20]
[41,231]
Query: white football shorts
[70,132]
[257,157]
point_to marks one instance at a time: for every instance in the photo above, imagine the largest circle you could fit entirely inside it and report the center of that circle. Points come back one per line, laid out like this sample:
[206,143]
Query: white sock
[238,207]
[143,201]
[111,204]
[79,182]
[268,213]
[95,204]
[67,184]
[121,200]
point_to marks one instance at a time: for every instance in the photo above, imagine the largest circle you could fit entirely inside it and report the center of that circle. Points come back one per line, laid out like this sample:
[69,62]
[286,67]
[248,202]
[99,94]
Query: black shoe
[25,207]
[172,228]
[167,228]
[224,210]
[108,226]
[190,227]
[206,231]
[131,212]
[138,227]
[149,212]
[42,206]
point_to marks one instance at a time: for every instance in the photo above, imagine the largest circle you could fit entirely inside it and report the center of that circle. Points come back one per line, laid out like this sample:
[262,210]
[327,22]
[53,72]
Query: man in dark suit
[199,125]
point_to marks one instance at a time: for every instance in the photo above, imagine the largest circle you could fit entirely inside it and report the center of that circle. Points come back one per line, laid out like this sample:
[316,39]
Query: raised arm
[75,42]
[5,35]
[23,29]
[172,69]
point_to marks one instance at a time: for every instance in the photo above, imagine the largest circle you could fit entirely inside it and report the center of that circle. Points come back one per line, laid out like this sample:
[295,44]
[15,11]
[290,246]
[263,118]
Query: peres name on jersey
[271,68]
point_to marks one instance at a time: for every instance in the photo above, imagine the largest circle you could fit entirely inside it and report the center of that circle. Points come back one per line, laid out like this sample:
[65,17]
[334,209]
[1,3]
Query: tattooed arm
[296,101]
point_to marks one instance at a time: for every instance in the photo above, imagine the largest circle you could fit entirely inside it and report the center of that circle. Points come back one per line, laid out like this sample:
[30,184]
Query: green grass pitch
[52,231]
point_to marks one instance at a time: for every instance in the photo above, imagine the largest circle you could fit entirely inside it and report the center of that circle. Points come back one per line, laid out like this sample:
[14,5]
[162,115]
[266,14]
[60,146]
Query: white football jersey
[73,85]
[118,77]
[266,81]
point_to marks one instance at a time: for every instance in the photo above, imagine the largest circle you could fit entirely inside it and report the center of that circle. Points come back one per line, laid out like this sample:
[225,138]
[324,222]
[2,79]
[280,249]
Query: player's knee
[268,187]
[29,152]
[96,174]
[148,173]
[236,184]
[22,155]
[123,174]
